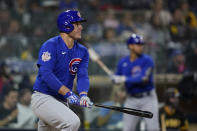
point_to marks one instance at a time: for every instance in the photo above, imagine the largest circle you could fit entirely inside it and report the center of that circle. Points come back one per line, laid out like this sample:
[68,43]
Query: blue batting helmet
[135,39]
[66,18]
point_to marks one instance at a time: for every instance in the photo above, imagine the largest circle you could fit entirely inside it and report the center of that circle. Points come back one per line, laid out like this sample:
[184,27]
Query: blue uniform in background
[135,72]
[140,91]
[58,65]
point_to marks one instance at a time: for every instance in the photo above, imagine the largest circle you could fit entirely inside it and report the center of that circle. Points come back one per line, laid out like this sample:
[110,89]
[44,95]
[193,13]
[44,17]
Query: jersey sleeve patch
[46,56]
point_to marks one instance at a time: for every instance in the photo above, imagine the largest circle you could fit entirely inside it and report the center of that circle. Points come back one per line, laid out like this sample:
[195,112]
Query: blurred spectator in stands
[95,30]
[177,63]
[25,82]
[5,17]
[35,8]
[126,24]
[158,8]
[94,5]
[154,32]
[8,4]
[20,6]
[172,4]
[5,77]
[171,116]
[110,4]
[190,55]
[190,20]
[26,119]
[8,108]
[189,16]
[136,4]
[177,28]
[27,54]
[108,118]
[68,4]
[110,20]
[17,41]
[14,28]
[110,35]
[38,36]
[90,9]
[156,37]
[193,5]
[20,11]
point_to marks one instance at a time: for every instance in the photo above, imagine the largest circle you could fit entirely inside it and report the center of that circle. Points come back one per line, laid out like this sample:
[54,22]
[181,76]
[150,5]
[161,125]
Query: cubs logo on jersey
[73,65]
[136,71]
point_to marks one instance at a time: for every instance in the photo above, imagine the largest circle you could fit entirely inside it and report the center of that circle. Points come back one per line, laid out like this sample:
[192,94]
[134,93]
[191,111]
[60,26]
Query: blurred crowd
[169,28]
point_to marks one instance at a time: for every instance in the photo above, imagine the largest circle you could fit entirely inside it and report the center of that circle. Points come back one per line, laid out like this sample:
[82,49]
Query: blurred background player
[171,117]
[61,58]
[136,71]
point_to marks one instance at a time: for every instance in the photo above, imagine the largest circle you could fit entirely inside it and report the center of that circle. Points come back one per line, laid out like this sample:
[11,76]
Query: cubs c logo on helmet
[73,65]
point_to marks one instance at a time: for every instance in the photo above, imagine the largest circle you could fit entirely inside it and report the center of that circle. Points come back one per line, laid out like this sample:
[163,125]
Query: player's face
[76,33]
[137,49]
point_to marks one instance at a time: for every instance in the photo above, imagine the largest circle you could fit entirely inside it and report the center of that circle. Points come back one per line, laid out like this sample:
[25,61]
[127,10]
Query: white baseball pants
[53,114]
[146,103]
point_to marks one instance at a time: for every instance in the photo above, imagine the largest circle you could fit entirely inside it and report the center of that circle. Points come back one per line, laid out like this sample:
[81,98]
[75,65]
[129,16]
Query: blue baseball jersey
[58,65]
[139,73]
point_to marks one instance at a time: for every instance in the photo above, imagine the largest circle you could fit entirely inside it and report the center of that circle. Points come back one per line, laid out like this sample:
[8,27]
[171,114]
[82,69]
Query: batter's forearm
[52,81]
[134,80]
[63,90]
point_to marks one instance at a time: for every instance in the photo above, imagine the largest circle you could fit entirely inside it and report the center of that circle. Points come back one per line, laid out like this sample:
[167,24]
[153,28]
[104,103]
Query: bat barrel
[130,111]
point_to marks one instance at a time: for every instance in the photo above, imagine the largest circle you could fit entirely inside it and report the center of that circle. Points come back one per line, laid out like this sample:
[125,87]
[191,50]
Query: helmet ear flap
[67,27]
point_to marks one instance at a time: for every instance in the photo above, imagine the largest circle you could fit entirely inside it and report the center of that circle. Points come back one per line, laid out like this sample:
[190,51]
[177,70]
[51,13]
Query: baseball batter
[61,59]
[136,71]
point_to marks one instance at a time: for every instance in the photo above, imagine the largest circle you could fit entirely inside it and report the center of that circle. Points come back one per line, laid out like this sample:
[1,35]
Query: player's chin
[78,37]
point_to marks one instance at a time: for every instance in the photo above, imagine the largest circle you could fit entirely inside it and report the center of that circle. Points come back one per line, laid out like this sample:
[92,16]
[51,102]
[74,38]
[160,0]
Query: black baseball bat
[130,111]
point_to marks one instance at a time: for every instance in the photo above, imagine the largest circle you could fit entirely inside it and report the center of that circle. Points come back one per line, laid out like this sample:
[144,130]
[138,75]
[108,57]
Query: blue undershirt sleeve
[51,80]
[82,74]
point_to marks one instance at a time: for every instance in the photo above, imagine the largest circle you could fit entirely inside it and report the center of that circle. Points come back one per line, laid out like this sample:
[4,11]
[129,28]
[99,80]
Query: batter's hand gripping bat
[130,111]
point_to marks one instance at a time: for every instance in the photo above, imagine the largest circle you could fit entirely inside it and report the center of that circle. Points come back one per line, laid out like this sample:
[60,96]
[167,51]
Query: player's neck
[67,40]
[133,56]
